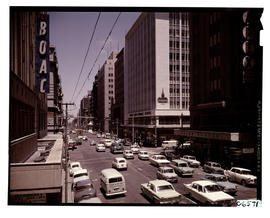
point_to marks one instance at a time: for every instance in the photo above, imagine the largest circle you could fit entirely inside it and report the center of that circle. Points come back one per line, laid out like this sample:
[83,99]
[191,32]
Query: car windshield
[122,161]
[128,152]
[161,158]
[84,186]
[75,165]
[144,153]
[191,158]
[216,165]
[183,165]
[212,188]
[164,188]
[168,171]
[80,174]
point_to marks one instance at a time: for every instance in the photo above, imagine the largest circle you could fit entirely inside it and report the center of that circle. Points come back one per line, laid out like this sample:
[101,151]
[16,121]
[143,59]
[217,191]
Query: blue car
[222,182]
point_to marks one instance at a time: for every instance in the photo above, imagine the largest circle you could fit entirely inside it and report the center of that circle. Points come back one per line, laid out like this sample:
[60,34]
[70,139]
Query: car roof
[80,171]
[165,168]
[100,144]
[239,168]
[211,162]
[73,163]
[159,182]
[128,150]
[203,182]
[179,161]
[159,155]
[81,178]
[120,158]
[215,175]
[110,172]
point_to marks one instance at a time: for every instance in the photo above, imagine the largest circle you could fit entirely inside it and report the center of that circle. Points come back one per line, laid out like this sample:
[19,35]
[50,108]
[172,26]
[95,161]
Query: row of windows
[110,74]
[110,80]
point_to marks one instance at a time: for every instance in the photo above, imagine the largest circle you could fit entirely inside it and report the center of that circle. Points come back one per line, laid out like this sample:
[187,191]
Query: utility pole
[66,144]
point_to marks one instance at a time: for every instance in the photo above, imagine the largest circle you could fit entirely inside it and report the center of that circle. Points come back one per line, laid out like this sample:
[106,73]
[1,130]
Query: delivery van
[112,182]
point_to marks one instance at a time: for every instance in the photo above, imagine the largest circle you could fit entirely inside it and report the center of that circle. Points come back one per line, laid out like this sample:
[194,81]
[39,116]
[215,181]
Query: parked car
[119,163]
[84,189]
[135,148]
[223,183]
[99,135]
[191,160]
[143,155]
[128,154]
[71,144]
[160,192]
[181,168]
[94,200]
[117,148]
[74,166]
[167,173]
[79,173]
[207,192]
[93,143]
[213,167]
[159,160]
[241,175]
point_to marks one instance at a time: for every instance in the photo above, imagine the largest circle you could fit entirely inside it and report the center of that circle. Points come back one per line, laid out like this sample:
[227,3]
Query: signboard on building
[42,54]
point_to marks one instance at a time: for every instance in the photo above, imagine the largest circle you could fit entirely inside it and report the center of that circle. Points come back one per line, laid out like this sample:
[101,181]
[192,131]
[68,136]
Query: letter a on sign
[43,67]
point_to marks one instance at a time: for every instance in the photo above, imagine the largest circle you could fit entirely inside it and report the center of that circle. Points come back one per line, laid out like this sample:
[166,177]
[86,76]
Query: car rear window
[116,179]
[122,161]
[164,187]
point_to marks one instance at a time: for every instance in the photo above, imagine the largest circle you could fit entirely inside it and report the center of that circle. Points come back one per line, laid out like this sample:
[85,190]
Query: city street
[138,172]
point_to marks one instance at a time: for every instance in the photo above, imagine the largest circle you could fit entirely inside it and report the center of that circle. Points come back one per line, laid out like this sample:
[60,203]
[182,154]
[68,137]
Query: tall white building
[105,80]
[157,76]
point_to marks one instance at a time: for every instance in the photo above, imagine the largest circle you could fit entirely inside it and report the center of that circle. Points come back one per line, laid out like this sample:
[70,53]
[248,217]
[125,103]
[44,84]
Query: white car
[135,148]
[84,138]
[128,154]
[107,143]
[167,173]
[74,166]
[100,147]
[143,155]
[159,160]
[99,135]
[119,163]
[240,175]
[191,160]
[161,192]
[208,192]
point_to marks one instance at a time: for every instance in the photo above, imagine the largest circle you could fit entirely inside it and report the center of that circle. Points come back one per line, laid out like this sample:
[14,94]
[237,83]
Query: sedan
[74,166]
[223,183]
[213,167]
[84,189]
[128,154]
[143,155]
[167,173]
[159,160]
[207,192]
[100,147]
[161,192]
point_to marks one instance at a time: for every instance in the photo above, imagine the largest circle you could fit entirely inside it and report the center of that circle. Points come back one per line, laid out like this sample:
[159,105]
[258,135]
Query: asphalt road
[138,172]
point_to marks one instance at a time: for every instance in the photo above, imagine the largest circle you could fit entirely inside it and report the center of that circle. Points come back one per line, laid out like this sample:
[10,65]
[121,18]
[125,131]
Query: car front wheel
[243,182]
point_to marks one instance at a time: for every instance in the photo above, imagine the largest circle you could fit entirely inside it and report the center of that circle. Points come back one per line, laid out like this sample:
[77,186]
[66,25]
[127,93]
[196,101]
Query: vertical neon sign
[42,54]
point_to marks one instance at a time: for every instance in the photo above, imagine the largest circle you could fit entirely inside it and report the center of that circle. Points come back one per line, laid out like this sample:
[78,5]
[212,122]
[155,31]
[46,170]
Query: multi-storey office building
[84,112]
[118,106]
[157,76]
[55,95]
[35,169]
[105,94]
[225,90]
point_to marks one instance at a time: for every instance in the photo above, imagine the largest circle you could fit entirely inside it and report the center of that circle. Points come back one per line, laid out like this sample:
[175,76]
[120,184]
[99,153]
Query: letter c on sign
[42,84]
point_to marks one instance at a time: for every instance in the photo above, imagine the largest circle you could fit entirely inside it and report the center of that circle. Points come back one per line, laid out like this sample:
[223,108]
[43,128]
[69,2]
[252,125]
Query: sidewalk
[69,192]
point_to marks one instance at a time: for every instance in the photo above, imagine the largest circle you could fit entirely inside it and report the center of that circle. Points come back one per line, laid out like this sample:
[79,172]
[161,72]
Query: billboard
[42,54]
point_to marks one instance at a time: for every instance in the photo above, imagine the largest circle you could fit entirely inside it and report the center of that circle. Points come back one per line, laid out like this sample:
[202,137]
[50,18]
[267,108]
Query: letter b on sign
[42,28]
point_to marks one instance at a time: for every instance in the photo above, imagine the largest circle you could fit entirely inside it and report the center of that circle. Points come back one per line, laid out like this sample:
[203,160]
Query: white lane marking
[140,169]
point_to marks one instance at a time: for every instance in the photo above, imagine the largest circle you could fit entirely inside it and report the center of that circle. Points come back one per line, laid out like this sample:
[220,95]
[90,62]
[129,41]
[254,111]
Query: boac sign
[42,54]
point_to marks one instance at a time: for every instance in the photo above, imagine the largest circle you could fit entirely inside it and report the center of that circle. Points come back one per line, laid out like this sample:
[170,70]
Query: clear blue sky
[70,33]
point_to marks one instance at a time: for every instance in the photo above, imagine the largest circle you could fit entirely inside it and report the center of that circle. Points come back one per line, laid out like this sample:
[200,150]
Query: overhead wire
[86,55]
[99,53]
